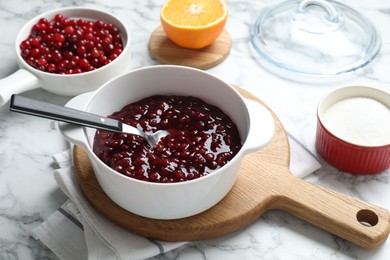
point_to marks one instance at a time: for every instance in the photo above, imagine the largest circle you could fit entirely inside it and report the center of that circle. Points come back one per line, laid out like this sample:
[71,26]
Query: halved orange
[193,24]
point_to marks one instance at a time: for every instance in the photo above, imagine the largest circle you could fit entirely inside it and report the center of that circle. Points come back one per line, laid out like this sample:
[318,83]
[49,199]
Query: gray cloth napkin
[77,231]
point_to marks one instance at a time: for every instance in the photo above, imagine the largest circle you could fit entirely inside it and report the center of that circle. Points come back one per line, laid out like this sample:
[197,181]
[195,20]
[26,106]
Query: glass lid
[315,38]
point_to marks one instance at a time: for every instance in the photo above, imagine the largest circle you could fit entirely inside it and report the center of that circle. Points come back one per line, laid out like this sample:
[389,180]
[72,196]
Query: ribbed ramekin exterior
[348,157]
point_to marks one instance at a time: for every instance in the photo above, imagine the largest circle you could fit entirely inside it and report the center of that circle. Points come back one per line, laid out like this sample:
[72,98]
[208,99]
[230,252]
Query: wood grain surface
[167,52]
[264,183]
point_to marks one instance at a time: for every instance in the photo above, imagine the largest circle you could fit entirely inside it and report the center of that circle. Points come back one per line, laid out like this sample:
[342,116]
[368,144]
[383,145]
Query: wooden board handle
[359,222]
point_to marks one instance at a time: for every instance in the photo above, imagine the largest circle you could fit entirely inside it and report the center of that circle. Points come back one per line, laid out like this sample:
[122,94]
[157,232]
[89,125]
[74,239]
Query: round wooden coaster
[242,205]
[167,52]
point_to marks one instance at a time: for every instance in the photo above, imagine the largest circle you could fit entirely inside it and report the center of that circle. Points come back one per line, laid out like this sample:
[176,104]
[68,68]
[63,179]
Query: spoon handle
[64,114]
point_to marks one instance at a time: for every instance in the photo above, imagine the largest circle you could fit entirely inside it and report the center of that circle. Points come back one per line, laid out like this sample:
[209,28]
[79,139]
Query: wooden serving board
[167,52]
[264,183]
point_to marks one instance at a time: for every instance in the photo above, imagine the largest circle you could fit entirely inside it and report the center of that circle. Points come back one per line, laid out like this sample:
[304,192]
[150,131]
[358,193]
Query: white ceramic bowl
[27,77]
[171,200]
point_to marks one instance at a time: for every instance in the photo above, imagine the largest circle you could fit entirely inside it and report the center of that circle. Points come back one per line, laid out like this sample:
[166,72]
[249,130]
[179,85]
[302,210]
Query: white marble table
[29,194]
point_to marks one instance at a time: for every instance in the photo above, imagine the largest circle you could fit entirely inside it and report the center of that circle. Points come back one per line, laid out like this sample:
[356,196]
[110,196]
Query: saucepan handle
[18,82]
[261,129]
[359,222]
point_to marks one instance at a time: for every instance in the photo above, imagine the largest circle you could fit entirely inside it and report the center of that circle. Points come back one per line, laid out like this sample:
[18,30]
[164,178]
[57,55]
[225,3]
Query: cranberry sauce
[71,46]
[203,139]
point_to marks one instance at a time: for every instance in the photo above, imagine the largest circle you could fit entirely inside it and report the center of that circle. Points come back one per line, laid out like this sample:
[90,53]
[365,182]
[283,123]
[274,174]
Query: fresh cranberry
[53,45]
[42,62]
[35,42]
[196,147]
[95,53]
[52,68]
[69,30]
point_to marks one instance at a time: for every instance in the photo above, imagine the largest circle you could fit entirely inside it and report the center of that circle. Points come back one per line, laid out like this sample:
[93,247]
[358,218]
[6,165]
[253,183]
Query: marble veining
[29,194]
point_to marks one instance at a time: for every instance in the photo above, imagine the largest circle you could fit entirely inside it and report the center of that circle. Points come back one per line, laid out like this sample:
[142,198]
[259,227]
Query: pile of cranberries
[70,46]
[203,139]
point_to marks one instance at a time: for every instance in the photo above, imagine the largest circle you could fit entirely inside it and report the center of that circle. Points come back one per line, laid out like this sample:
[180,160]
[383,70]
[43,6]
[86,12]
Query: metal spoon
[69,115]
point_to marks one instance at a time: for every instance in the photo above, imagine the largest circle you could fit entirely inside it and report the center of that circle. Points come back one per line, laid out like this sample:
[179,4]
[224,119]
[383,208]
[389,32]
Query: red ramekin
[344,155]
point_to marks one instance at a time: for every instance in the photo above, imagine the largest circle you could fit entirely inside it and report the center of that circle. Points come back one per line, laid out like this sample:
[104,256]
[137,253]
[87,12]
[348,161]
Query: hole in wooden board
[367,218]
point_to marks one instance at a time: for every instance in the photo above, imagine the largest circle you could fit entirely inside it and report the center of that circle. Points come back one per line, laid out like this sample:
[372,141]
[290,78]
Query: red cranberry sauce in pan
[203,139]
